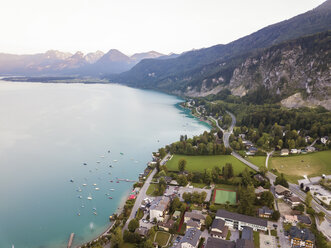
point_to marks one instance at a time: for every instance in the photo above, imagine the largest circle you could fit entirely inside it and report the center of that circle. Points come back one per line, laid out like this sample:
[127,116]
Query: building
[219,243]
[293,201]
[295,151]
[265,212]
[284,152]
[247,233]
[301,237]
[219,229]
[304,219]
[176,214]
[281,191]
[159,208]
[259,190]
[310,149]
[166,226]
[259,178]
[239,221]
[194,219]
[142,231]
[251,151]
[325,140]
[191,238]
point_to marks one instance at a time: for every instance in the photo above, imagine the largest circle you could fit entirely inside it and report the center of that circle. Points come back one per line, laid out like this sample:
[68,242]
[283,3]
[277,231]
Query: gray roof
[219,243]
[244,243]
[218,223]
[192,236]
[240,217]
[247,233]
[304,219]
[265,210]
[192,223]
[195,215]
[143,231]
[303,234]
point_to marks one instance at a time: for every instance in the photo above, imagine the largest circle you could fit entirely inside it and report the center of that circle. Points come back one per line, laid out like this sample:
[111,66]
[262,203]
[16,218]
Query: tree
[267,199]
[227,171]
[116,238]
[182,180]
[246,178]
[308,199]
[133,225]
[208,221]
[281,181]
[275,215]
[181,164]
[246,200]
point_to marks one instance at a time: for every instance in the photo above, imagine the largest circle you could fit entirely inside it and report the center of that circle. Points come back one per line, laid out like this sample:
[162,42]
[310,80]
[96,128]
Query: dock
[71,239]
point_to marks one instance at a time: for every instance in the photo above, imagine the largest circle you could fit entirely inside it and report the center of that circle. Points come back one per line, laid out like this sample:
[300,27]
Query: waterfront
[49,130]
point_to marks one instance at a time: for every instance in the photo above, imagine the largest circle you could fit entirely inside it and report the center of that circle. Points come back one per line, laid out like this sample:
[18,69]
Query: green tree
[246,200]
[281,180]
[228,171]
[267,199]
[116,238]
[246,178]
[308,199]
[275,215]
[181,164]
[133,224]
[182,180]
[208,221]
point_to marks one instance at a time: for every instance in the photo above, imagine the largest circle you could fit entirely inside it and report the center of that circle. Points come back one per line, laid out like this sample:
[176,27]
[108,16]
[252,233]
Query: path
[267,159]
[142,194]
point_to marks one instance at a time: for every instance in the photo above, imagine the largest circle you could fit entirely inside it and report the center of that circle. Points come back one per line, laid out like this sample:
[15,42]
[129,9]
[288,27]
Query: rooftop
[280,189]
[303,234]
[195,215]
[219,243]
[240,217]
[192,236]
[218,223]
[247,233]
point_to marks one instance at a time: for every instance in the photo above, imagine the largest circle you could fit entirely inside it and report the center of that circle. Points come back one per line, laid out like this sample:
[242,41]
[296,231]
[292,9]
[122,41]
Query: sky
[133,26]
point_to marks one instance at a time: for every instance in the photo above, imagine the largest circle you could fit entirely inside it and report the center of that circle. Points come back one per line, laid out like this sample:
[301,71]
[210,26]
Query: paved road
[267,159]
[272,177]
[142,193]
[229,131]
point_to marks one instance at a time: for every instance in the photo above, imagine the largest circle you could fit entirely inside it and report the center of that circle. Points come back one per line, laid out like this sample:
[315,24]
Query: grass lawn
[256,236]
[199,163]
[226,186]
[222,196]
[273,233]
[294,167]
[257,160]
[199,185]
[151,189]
[228,236]
[162,238]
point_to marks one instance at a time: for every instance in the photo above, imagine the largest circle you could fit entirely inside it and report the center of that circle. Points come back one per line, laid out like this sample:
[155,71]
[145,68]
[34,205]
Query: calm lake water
[47,132]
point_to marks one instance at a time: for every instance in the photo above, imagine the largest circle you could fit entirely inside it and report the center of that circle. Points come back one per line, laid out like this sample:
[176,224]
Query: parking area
[176,190]
[267,241]
[284,208]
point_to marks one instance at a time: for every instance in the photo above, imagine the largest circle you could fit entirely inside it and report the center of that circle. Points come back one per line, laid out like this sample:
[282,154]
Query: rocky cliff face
[299,72]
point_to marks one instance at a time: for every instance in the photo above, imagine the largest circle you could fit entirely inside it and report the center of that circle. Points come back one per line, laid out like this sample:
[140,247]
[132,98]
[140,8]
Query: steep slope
[191,69]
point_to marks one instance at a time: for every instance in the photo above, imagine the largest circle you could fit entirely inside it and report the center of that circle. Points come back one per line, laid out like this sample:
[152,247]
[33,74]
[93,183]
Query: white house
[191,238]
[158,209]
[239,221]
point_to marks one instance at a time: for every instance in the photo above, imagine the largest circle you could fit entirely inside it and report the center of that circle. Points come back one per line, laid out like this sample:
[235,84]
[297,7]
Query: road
[229,131]
[267,159]
[142,194]
[272,177]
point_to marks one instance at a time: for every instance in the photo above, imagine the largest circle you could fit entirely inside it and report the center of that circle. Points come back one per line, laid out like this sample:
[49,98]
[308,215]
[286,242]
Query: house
[194,219]
[259,190]
[293,201]
[259,178]
[295,151]
[168,179]
[219,243]
[265,212]
[191,238]
[325,140]
[219,229]
[239,221]
[301,237]
[166,226]
[142,231]
[251,151]
[293,219]
[310,149]
[246,240]
[247,143]
[158,209]
[281,191]
[284,152]
[304,219]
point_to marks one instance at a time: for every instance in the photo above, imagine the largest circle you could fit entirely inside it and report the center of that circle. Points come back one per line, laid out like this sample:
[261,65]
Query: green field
[257,160]
[161,238]
[222,196]
[151,189]
[295,166]
[199,163]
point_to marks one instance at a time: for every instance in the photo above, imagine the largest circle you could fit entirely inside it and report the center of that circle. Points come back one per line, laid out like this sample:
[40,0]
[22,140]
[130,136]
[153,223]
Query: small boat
[121,153]
[89,197]
[98,162]
[102,156]
[111,189]
[94,184]
[95,213]
[95,209]
[108,151]
[118,182]
[111,181]
[107,194]
[110,197]
[96,188]
[79,190]
[83,206]
[80,197]
[84,163]
[115,160]
[84,184]
[71,180]
[110,166]
[78,214]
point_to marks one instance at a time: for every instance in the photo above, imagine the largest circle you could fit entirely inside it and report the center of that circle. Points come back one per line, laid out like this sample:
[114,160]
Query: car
[145,221]
[275,225]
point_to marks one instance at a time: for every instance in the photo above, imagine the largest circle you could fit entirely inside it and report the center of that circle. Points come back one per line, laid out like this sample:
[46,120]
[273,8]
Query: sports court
[221,196]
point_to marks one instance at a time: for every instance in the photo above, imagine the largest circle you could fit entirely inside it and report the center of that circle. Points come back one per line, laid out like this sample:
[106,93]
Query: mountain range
[55,62]
[248,63]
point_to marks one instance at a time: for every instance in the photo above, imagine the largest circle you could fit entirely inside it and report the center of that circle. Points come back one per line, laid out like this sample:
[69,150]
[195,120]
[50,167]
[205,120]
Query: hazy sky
[31,26]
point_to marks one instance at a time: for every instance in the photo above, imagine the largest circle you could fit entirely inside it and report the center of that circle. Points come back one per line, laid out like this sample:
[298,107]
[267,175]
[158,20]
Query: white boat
[115,160]
[94,184]
[84,184]
[102,156]
[111,189]
[89,197]
[96,188]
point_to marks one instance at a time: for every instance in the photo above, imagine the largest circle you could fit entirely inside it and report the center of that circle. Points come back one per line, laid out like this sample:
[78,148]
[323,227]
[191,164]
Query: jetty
[71,239]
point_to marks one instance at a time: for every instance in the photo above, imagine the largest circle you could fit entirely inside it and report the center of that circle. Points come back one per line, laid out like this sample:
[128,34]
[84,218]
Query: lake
[47,133]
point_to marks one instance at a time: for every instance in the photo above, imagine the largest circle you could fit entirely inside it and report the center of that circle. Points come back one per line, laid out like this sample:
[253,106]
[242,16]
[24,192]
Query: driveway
[268,241]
